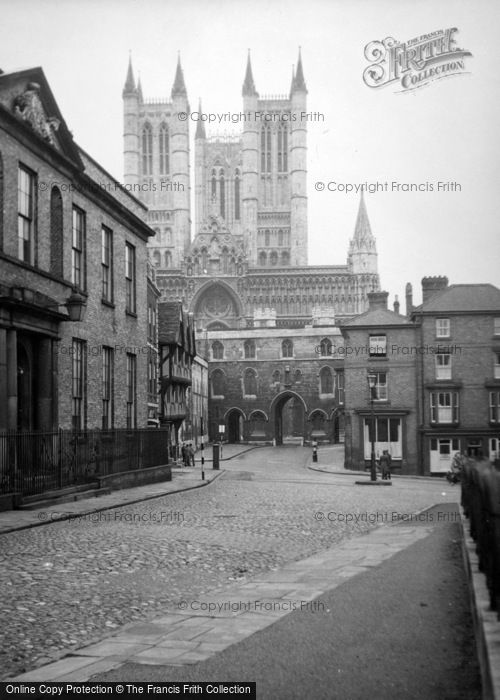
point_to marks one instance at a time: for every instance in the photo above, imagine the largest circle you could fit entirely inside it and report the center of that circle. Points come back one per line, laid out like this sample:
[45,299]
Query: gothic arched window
[237,195]
[214,184]
[218,380]
[168,259]
[297,376]
[276,376]
[282,149]
[147,149]
[164,150]
[267,237]
[56,232]
[280,237]
[250,382]
[262,259]
[249,349]
[156,258]
[265,149]
[326,381]
[287,348]
[285,258]
[273,258]
[217,350]
[326,347]
[222,190]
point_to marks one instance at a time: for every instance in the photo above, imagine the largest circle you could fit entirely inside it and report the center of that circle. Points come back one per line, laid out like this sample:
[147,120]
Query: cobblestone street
[67,584]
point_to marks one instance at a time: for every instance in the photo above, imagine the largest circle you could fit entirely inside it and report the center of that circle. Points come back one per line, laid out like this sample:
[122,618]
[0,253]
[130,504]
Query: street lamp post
[372,380]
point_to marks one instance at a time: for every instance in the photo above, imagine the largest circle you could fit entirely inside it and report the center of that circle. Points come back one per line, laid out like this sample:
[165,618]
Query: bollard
[315,451]
[216,456]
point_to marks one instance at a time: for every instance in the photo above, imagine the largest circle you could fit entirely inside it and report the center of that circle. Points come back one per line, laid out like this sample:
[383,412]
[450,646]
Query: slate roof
[378,317]
[463,297]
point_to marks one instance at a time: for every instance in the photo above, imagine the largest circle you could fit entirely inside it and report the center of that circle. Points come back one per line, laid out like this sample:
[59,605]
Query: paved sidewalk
[368,616]
[331,461]
[183,479]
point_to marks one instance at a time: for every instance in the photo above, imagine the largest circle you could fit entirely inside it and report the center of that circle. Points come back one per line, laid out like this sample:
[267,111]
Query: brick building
[271,384]
[71,240]
[379,343]
[437,375]
[153,294]
[458,371]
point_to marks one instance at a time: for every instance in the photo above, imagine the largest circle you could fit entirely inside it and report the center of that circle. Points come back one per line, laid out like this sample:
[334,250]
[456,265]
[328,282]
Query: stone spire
[248,85]
[179,87]
[139,89]
[300,83]
[362,256]
[130,81]
[200,126]
[362,231]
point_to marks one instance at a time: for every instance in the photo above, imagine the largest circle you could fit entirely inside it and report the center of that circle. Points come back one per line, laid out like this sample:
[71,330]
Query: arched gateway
[288,415]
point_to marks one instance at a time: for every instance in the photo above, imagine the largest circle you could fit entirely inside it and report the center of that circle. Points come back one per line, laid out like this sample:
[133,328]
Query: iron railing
[481,504]
[36,462]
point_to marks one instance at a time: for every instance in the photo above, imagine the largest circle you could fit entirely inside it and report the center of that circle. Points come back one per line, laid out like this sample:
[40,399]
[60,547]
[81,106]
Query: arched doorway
[234,422]
[289,418]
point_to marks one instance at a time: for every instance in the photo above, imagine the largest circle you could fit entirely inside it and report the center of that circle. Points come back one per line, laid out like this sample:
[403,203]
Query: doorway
[234,420]
[289,419]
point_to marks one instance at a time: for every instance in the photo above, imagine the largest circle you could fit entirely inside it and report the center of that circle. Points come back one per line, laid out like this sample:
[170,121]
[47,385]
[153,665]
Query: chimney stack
[432,285]
[409,299]
[377,300]
[396,305]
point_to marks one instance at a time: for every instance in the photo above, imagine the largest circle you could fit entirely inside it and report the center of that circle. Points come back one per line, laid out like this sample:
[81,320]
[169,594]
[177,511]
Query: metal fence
[35,462]
[481,504]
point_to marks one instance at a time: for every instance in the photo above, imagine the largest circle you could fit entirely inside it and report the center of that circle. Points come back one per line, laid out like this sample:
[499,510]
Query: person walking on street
[385,465]
[184,455]
[190,452]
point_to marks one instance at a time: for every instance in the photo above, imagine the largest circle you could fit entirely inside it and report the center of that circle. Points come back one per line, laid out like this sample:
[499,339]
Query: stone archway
[234,426]
[289,418]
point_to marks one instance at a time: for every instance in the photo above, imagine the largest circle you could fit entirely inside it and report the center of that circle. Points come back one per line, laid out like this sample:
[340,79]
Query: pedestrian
[184,455]
[191,454]
[385,465]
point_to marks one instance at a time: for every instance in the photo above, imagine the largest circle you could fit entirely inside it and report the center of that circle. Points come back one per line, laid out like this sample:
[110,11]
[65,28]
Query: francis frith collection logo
[416,62]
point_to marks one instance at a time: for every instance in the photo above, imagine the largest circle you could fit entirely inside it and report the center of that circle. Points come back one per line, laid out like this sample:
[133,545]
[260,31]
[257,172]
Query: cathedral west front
[261,312]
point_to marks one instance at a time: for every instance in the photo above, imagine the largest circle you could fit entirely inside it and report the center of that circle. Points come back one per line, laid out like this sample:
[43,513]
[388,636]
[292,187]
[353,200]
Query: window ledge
[107,303]
[132,314]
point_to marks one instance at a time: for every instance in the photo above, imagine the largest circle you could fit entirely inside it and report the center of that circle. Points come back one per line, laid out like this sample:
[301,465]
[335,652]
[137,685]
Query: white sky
[447,131]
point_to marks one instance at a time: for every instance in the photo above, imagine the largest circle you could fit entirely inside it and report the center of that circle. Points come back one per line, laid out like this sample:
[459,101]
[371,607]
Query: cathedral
[249,249]
[245,269]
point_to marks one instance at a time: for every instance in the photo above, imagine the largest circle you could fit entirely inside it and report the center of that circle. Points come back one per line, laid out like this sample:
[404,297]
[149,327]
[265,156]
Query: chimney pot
[432,285]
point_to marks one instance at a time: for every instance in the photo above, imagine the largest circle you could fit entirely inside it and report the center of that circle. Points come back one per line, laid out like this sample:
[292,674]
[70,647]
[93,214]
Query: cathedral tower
[257,183]
[156,160]
[250,157]
[298,168]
